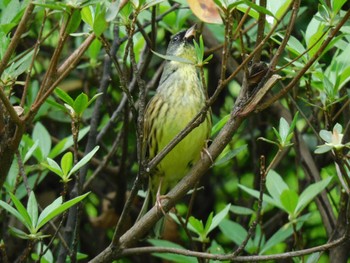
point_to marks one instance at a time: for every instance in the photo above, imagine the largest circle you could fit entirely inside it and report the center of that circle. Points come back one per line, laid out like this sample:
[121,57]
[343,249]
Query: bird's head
[181,44]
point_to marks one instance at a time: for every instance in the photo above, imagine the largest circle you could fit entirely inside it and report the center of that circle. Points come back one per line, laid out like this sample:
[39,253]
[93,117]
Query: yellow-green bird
[179,98]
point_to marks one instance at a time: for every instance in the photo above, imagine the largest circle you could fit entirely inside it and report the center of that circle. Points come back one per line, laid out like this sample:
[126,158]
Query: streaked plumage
[179,97]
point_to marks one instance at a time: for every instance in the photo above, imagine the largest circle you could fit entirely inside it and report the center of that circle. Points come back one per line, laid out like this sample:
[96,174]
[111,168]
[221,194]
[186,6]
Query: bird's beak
[191,32]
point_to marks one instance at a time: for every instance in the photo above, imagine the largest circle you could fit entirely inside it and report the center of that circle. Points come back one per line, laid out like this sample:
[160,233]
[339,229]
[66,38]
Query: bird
[180,96]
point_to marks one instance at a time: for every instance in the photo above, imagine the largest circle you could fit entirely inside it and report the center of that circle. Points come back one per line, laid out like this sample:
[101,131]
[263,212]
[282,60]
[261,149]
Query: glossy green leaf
[74,21]
[22,210]
[32,209]
[47,210]
[53,166]
[229,155]
[174,58]
[289,200]
[170,256]
[87,15]
[218,218]
[283,129]
[83,161]
[58,210]
[240,210]
[275,185]
[30,152]
[218,126]
[67,142]
[310,192]
[235,232]
[196,225]
[100,24]
[14,212]
[256,194]
[66,163]
[18,233]
[80,104]
[64,96]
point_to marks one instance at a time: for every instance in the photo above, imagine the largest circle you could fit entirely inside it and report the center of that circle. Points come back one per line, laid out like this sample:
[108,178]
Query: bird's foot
[159,198]
[205,151]
[159,205]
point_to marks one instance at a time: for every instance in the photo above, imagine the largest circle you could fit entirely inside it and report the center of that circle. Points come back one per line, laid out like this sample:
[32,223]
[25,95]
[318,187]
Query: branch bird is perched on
[179,98]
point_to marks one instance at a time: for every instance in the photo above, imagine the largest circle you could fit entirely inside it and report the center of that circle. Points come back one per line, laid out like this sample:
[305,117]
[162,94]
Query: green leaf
[87,15]
[22,210]
[283,129]
[313,35]
[195,225]
[58,210]
[66,163]
[74,22]
[18,233]
[53,167]
[83,161]
[277,135]
[112,11]
[289,200]
[20,65]
[283,233]
[151,3]
[279,236]
[41,135]
[275,185]
[64,96]
[170,256]
[218,218]
[32,208]
[47,210]
[256,194]
[174,58]
[14,212]
[310,192]
[218,126]
[240,210]
[80,104]
[230,155]
[29,153]
[258,8]
[235,232]
[314,258]
[67,142]
[94,98]
[208,224]
[100,24]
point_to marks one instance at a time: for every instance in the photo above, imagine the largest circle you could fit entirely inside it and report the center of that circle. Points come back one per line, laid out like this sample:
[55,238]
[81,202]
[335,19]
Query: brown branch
[145,223]
[286,255]
[16,37]
[260,33]
[62,72]
[287,35]
[312,60]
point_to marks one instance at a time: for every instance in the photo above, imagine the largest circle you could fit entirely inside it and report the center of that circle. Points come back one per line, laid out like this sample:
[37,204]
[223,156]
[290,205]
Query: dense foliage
[275,178]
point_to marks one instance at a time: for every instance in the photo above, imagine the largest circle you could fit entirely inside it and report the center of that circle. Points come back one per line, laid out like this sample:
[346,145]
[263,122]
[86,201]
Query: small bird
[179,98]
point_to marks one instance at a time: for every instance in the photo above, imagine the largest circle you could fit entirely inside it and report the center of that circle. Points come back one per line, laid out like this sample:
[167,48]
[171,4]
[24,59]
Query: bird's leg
[160,197]
[205,151]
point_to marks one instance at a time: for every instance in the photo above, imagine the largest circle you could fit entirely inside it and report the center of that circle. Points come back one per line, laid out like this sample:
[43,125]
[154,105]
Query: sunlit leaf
[205,10]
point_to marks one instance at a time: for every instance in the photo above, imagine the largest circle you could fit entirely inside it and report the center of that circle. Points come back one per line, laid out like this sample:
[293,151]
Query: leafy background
[73,88]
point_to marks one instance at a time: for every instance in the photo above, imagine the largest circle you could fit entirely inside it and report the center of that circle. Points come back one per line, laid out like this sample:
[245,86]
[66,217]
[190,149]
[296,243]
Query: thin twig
[312,60]
[286,255]
[16,37]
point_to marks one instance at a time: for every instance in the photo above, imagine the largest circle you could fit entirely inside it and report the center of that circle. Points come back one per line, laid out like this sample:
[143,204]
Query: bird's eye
[176,38]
